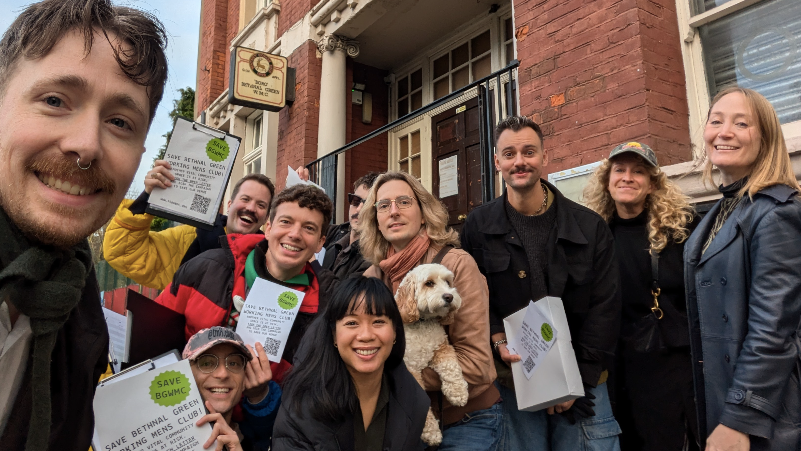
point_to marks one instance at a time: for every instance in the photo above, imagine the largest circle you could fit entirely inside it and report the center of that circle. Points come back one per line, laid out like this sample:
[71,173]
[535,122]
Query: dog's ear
[406,300]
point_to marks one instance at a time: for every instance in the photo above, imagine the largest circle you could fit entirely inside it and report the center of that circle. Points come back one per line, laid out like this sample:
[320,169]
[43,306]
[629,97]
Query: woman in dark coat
[650,220]
[743,278]
[349,389]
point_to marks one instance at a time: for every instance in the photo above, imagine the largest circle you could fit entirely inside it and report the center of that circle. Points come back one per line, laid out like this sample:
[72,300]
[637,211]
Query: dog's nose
[447,297]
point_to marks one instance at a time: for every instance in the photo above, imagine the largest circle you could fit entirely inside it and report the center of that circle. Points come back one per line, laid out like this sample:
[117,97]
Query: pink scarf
[397,264]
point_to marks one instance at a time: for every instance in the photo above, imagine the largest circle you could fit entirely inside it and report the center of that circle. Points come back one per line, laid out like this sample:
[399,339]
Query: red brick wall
[601,73]
[212,63]
[298,124]
[371,155]
[232,30]
[292,11]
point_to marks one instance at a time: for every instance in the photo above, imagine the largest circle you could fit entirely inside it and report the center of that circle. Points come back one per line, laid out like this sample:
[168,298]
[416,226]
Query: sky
[181,19]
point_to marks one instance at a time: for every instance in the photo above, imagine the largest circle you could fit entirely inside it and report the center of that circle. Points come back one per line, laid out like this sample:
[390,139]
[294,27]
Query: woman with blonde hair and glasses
[743,277]
[402,225]
[650,220]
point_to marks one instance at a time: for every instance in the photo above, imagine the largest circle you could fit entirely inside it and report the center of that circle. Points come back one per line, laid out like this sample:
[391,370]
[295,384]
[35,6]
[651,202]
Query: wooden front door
[456,155]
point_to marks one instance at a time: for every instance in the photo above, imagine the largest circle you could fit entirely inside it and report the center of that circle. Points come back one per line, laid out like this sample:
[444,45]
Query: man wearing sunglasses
[222,365]
[343,255]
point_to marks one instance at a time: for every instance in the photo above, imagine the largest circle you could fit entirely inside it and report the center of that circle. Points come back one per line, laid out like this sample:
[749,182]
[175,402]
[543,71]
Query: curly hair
[306,196]
[373,244]
[668,209]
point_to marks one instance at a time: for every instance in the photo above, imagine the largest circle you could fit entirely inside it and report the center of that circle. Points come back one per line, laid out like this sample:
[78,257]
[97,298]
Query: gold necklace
[544,199]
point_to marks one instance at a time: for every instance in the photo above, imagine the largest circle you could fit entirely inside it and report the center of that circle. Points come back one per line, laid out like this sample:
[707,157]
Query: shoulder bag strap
[655,290]
[441,254]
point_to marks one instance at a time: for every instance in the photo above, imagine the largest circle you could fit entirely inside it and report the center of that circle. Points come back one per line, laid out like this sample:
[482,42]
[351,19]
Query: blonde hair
[372,243]
[772,165]
[668,209]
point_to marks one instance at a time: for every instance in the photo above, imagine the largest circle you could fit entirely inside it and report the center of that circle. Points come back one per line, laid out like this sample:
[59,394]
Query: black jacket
[79,357]
[345,259]
[406,416]
[581,269]
[744,306]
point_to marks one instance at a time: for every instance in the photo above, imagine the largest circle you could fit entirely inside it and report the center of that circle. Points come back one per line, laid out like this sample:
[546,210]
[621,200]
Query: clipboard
[202,159]
[154,330]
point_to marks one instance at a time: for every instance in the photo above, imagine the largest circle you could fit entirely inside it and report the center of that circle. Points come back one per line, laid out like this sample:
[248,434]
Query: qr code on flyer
[271,346]
[528,364]
[200,204]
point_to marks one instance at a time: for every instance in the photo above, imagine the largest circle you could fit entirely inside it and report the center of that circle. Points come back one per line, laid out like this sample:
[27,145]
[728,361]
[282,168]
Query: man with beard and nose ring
[80,81]
[533,242]
[151,258]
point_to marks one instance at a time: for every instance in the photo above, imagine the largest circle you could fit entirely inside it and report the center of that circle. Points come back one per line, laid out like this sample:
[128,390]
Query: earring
[335,345]
[394,341]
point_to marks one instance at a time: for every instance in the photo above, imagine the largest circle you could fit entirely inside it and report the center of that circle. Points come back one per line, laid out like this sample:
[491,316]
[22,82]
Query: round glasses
[402,202]
[234,363]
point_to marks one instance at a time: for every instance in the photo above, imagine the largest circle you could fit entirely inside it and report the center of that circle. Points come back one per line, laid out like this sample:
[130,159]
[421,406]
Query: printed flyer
[267,316]
[153,411]
[201,159]
[534,339]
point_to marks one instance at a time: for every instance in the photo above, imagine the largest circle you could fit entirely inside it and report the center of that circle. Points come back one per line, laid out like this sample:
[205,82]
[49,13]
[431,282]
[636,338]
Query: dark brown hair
[42,25]
[306,196]
[366,180]
[515,124]
[259,178]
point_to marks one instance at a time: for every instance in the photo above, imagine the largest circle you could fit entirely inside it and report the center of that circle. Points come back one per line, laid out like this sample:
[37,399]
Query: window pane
[441,66]
[461,78]
[416,167]
[701,6]
[758,48]
[404,147]
[417,79]
[508,29]
[441,88]
[403,107]
[404,166]
[415,144]
[257,132]
[481,44]
[510,53]
[459,55]
[257,165]
[403,87]
[482,67]
[417,100]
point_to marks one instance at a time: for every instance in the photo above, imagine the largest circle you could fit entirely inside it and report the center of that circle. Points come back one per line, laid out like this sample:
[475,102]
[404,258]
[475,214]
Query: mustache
[63,168]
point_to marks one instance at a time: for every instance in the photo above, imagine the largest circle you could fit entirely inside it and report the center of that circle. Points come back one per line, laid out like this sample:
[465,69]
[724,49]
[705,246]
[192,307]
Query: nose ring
[81,167]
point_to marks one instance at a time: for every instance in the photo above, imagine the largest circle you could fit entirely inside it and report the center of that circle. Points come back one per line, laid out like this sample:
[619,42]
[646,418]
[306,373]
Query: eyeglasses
[402,202]
[234,363]
[354,200]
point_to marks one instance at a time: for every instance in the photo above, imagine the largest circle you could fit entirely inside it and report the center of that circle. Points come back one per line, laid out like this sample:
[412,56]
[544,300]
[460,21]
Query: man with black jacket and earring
[533,242]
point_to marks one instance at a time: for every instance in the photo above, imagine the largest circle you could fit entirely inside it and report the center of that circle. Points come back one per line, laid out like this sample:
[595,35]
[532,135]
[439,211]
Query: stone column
[332,130]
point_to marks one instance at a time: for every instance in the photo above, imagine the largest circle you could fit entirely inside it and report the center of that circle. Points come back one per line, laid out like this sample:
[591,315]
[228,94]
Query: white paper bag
[557,379]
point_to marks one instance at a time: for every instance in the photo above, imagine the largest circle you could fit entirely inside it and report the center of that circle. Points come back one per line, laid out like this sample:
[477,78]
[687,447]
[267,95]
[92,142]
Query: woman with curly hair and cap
[743,273]
[650,220]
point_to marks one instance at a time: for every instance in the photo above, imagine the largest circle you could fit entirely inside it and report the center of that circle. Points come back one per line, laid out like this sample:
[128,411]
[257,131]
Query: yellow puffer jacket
[149,258]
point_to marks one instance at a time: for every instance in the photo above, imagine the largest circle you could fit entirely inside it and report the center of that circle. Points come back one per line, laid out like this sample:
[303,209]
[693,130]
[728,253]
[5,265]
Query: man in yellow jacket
[151,258]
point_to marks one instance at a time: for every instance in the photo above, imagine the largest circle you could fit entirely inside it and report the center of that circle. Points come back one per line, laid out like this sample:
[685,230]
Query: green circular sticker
[287,300]
[217,149]
[169,388]
[547,332]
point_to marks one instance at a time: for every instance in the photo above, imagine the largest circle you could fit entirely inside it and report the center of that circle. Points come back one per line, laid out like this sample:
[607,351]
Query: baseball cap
[213,336]
[640,149]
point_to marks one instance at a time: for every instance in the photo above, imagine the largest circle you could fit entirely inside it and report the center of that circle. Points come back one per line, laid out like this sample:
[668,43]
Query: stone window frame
[254,148]
[698,95]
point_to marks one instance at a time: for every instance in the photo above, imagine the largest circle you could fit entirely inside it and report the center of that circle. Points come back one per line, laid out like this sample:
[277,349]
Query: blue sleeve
[257,426]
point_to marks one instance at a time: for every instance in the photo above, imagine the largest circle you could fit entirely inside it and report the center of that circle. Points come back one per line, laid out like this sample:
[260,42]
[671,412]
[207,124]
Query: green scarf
[44,283]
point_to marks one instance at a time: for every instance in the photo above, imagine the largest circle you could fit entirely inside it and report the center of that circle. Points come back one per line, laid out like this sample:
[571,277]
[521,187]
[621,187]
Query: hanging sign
[260,80]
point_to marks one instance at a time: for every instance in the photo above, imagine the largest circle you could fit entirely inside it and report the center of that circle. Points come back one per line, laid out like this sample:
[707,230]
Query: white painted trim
[730,7]
[263,15]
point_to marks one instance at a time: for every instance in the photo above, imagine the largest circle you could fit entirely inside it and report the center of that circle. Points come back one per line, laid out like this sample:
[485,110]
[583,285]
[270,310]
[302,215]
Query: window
[254,167]
[508,41]
[754,44]
[469,61]
[409,154]
[257,132]
[410,93]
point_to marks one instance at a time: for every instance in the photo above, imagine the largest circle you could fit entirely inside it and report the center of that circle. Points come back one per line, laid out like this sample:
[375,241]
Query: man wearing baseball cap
[225,369]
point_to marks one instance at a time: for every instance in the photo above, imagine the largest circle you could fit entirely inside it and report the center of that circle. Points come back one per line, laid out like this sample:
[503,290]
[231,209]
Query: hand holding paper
[267,316]
[160,176]
[222,432]
[257,375]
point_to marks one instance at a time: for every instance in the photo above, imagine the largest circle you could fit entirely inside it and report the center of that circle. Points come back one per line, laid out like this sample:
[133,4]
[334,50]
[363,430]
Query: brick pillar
[600,73]
[211,64]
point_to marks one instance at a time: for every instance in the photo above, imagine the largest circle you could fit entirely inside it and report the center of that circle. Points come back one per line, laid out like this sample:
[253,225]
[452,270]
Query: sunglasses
[234,363]
[354,200]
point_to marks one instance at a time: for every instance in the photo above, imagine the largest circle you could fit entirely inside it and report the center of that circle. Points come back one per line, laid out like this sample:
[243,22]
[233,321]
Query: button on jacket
[744,308]
[581,269]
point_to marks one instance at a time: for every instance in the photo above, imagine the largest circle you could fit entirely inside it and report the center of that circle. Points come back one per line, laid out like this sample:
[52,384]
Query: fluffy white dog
[427,300]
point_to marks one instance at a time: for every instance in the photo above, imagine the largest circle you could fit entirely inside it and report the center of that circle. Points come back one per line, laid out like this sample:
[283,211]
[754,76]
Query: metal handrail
[420,111]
